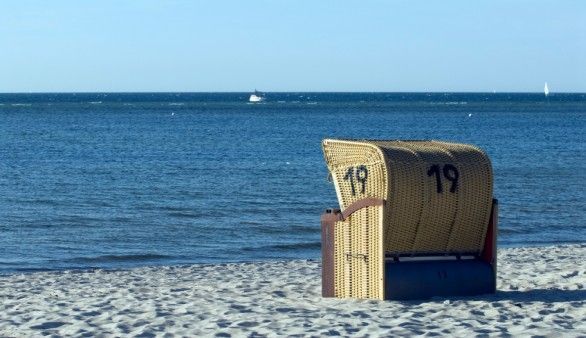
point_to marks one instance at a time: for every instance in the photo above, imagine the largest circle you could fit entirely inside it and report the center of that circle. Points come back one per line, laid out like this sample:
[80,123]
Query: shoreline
[540,291]
[8,272]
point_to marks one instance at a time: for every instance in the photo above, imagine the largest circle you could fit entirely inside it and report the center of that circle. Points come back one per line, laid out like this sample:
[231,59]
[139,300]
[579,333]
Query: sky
[292,45]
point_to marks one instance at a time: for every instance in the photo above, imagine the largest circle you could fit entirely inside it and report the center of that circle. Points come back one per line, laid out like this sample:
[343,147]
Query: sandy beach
[541,291]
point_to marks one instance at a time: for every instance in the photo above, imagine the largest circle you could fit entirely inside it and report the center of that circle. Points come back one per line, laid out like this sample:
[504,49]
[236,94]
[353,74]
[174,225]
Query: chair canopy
[438,195]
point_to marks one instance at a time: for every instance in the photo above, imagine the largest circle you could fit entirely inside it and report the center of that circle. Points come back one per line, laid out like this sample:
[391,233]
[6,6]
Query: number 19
[450,173]
[361,174]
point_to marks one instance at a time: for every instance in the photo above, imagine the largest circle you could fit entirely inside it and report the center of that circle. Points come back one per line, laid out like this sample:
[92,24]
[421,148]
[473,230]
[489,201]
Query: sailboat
[545,90]
[256,97]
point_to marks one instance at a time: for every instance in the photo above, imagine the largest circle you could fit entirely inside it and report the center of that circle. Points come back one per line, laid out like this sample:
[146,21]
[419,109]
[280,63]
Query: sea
[121,180]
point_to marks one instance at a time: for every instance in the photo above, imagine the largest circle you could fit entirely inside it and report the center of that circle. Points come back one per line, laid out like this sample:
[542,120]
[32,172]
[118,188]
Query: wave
[505,230]
[445,103]
[26,270]
[43,201]
[180,214]
[294,246]
[292,229]
[540,243]
[287,247]
[119,258]
[252,223]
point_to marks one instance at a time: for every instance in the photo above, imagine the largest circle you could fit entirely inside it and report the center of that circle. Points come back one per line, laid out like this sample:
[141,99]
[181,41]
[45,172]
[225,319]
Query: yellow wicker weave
[359,258]
[438,198]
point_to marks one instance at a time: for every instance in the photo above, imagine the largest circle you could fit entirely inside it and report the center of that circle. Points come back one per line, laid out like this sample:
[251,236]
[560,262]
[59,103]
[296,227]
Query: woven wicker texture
[359,258]
[438,199]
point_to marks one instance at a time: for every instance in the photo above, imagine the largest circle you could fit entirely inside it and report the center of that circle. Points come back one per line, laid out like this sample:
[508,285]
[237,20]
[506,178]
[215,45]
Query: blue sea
[123,180]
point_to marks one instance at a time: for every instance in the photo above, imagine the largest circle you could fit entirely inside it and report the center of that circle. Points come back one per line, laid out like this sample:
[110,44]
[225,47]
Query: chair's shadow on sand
[538,295]
[527,296]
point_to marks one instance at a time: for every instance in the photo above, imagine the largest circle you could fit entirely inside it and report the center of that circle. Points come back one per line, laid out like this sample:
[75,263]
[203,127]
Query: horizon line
[294,91]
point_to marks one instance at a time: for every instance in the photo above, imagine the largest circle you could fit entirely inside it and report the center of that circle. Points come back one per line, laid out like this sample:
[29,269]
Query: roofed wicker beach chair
[417,219]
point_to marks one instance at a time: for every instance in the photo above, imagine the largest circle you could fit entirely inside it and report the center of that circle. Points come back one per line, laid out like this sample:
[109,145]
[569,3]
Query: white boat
[545,90]
[256,97]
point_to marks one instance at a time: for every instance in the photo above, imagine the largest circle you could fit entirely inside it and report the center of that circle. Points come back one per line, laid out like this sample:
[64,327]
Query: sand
[541,291]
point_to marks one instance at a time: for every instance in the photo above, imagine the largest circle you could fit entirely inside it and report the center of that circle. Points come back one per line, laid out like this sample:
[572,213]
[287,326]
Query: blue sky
[88,46]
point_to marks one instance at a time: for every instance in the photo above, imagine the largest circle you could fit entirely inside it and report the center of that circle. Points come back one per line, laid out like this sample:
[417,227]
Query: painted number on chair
[450,173]
[357,174]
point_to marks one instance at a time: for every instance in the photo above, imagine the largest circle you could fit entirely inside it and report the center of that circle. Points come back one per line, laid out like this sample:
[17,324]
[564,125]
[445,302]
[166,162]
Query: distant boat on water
[256,97]
[545,90]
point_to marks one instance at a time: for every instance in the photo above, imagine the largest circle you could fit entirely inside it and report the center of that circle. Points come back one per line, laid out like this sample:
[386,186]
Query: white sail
[545,90]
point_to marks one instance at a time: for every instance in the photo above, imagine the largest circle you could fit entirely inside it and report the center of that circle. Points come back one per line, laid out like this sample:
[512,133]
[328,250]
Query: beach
[168,169]
[541,291]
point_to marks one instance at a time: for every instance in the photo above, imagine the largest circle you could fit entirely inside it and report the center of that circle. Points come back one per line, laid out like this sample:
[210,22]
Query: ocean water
[123,180]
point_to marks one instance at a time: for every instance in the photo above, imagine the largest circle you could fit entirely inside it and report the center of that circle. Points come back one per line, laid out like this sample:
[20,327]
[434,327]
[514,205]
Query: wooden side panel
[328,221]
[489,253]
[489,250]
